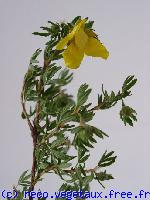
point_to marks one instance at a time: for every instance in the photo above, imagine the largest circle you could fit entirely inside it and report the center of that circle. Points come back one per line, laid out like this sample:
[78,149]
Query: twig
[35,132]
[47,169]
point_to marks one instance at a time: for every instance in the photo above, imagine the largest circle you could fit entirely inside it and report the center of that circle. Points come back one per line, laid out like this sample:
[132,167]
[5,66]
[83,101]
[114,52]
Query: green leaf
[49,73]
[88,179]
[86,114]
[59,154]
[106,100]
[102,176]
[58,142]
[41,34]
[83,94]
[89,24]
[24,179]
[84,135]
[128,83]
[64,165]
[43,165]
[98,132]
[75,19]
[66,187]
[107,159]
[128,115]
[51,92]
[65,114]
[83,159]
[34,56]
[64,77]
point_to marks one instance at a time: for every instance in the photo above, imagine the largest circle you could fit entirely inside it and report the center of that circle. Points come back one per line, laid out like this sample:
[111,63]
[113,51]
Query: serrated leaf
[61,155]
[88,179]
[76,19]
[57,142]
[49,73]
[102,176]
[128,83]
[35,55]
[99,132]
[128,115]
[83,159]
[83,94]
[107,159]
[23,180]
[64,165]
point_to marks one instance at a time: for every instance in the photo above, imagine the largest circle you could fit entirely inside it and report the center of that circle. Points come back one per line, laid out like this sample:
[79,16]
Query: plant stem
[47,169]
[35,131]
[33,172]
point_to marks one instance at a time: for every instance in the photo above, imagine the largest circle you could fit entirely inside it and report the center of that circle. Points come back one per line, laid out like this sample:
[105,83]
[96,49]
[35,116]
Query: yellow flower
[81,41]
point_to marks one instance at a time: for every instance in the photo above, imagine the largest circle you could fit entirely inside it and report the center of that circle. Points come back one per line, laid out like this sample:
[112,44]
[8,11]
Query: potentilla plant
[52,114]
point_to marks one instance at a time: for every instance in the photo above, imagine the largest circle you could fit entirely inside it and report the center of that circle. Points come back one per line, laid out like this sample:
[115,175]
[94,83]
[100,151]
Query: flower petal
[81,38]
[73,56]
[96,49]
[90,33]
[63,42]
[78,26]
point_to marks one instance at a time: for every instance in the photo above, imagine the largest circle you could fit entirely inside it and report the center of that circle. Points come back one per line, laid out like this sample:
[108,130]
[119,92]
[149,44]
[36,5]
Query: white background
[123,26]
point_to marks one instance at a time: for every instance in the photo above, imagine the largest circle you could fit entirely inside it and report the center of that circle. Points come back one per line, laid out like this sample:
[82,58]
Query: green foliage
[107,159]
[106,101]
[75,20]
[35,56]
[59,123]
[84,136]
[24,179]
[102,176]
[128,84]
[83,94]
[128,115]
[49,73]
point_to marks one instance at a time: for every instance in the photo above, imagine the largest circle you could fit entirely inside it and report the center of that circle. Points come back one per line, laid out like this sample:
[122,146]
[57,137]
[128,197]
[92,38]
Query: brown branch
[35,132]
[24,110]
[33,172]
[98,107]
[34,136]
